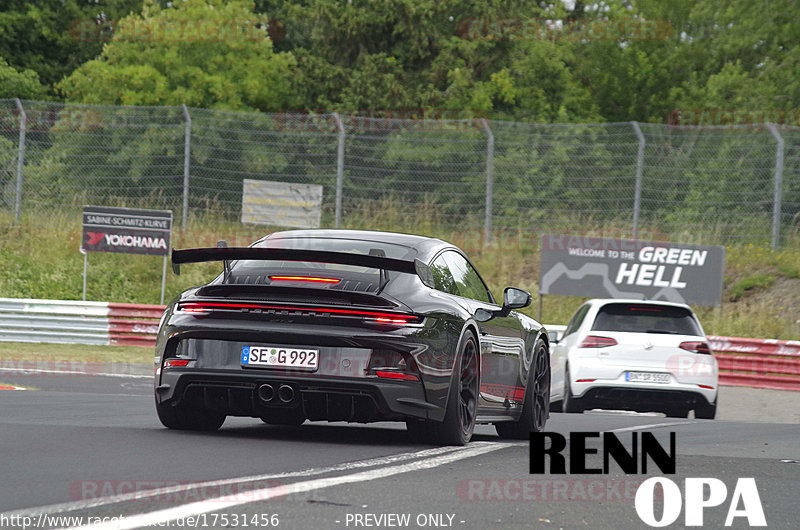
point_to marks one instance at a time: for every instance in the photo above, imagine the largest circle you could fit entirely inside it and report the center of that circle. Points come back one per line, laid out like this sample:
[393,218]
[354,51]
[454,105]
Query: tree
[204,53]
[54,37]
[18,84]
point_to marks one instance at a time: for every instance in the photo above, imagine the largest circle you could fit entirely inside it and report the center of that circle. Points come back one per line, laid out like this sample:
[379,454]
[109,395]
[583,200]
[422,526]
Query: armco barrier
[76,322]
[760,363]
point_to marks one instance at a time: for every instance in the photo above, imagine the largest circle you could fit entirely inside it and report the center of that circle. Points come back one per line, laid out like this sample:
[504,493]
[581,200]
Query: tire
[189,418]
[462,402]
[705,411]
[536,406]
[571,404]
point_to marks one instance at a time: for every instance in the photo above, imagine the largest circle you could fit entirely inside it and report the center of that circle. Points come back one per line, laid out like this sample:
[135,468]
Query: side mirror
[514,298]
[554,336]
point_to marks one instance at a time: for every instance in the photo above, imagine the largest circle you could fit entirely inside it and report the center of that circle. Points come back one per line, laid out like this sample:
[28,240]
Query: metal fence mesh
[721,185]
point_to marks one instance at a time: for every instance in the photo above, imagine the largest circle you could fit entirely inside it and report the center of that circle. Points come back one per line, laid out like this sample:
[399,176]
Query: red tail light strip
[384,318]
[706,386]
[312,279]
[172,363]
[396,375]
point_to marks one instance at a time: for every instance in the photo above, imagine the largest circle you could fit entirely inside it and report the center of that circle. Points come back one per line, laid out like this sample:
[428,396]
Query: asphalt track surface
[89,445]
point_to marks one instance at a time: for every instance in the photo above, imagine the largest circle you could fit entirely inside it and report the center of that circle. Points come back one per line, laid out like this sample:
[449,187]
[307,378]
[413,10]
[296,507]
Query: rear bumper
[643,399]
[313,397]
[606,383]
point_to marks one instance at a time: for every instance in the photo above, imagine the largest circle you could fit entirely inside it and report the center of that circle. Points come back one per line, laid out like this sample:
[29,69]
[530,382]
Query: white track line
[652,426]
[72,372]
[178,488]
[214,505]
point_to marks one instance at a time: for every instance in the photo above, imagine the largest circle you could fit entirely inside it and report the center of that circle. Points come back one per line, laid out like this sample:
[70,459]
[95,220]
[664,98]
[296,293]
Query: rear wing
[198,255]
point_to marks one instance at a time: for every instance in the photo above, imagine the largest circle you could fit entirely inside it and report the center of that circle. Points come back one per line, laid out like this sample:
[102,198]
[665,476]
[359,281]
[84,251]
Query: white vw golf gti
[635,355]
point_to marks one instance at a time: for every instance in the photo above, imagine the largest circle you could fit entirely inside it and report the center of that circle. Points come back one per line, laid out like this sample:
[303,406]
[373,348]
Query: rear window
[646,318]
[315,274]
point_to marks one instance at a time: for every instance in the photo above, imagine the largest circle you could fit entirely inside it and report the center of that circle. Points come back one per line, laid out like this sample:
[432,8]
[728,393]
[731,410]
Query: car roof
[597,302]
[425,246]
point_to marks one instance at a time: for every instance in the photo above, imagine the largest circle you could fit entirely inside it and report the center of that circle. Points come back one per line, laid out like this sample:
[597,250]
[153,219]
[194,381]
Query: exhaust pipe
[266,392]
[286,393]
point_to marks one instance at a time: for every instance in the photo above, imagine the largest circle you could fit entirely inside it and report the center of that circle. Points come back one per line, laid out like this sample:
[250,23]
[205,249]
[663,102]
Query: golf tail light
[696,347]
[596,341]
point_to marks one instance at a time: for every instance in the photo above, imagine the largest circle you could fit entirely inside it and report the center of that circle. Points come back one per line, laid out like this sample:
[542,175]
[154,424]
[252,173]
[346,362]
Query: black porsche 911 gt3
[348,325]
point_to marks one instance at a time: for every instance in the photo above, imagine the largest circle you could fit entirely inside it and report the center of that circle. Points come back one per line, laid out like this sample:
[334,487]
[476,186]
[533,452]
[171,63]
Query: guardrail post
[487,223]
[637,193]
[187,154]
[778,189]
[339,171]
[23,122]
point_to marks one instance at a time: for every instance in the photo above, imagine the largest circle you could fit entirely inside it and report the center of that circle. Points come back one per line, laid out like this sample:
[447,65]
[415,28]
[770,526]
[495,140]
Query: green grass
[39,258]
[55,353]
[751,283]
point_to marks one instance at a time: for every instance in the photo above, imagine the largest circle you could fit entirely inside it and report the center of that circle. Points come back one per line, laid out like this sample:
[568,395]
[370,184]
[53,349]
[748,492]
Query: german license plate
[647,377]
[280,357]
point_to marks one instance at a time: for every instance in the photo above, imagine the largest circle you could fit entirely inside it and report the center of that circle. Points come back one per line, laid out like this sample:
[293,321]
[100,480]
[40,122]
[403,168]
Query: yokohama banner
[627,268]
[126,230]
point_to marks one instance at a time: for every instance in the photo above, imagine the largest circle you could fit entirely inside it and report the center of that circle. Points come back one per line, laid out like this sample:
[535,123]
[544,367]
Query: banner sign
[126,230]
[627,268]
[281,204]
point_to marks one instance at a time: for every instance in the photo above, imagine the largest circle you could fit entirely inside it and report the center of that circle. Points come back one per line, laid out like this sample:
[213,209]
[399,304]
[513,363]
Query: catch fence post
[23,122]
[187,150]
[339,171]
[637,194]
[487,224]
[778,189]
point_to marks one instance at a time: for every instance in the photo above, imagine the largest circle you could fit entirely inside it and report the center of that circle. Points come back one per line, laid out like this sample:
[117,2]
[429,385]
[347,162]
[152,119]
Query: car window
[467,281]
[576,321]
[442,278]
[646,318]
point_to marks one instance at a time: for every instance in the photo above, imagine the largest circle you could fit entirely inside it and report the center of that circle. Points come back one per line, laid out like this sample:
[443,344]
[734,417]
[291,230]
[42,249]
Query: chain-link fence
[721,185]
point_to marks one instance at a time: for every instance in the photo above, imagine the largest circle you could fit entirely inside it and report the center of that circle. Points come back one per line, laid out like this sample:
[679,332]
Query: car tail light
[396,375]
[310,279]
[392,364]
[173,363]
[379,317]
[585,380]
[706,386]
[696,347]
[596,341]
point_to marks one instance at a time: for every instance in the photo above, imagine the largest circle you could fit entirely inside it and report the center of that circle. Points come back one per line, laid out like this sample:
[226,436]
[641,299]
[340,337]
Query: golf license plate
[280,357]
[647,377]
